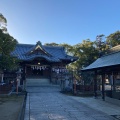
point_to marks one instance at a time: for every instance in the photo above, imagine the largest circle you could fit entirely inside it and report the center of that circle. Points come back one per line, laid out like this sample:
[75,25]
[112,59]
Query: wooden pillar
[24,76]
[103,86]
[95,84]
[113,81]
[50,74]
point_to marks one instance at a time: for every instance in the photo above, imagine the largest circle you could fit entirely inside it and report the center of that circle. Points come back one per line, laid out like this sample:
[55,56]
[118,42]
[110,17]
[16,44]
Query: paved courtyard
[47,103]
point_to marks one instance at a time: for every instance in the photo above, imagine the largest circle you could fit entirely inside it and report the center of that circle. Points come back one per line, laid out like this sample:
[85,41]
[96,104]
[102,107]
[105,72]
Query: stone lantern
[18,79]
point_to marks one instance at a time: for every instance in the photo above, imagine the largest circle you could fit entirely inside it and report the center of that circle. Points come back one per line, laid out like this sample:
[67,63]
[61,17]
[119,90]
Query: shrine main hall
[42,63]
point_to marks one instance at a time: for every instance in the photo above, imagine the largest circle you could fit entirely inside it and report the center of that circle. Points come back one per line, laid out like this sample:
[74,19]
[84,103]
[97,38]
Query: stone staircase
[37,82]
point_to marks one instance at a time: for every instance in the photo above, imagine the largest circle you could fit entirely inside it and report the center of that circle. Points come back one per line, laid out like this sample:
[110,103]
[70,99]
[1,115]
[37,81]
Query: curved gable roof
[51,53]
[37,48]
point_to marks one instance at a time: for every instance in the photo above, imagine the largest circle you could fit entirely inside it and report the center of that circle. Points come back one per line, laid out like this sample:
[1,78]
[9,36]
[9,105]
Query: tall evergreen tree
[7,45]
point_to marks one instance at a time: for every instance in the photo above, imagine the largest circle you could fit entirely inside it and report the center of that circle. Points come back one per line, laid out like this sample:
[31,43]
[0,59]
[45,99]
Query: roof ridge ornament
[39,45]
[39,49]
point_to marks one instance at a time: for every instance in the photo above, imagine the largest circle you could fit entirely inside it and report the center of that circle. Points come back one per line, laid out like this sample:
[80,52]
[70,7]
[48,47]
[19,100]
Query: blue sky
[60,21]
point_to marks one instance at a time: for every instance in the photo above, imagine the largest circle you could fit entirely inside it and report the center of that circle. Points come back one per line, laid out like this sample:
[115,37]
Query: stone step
[37,82]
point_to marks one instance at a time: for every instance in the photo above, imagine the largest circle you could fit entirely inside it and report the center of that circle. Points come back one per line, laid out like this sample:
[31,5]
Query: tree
[113,39]
[100,44]
[51,44]
[68,48]
[3,23]
[7,45]
[86,52]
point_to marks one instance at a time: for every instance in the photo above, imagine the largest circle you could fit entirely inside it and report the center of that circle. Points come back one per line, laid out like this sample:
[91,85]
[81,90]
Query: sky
[60,21]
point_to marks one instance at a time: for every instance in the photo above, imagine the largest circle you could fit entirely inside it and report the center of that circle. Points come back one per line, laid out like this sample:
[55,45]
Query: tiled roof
[105,61]
[55,53]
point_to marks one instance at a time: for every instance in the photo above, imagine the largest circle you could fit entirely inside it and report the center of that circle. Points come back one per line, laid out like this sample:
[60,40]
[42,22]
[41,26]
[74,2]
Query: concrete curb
[27,108]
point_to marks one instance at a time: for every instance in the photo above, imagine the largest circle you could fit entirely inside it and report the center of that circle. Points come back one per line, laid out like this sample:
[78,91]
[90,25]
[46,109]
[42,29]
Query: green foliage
[7,45]
[8,62]
[68,48]
[86,52]
[113,39]
[51,44]
[88,80]
[3,19]
[3,23]
[101,45]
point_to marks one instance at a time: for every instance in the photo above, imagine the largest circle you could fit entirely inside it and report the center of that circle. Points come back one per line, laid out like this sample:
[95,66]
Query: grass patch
[10,107]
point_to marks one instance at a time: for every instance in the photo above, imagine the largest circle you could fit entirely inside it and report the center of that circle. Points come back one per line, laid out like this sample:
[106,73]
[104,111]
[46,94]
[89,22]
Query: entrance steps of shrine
[37,81]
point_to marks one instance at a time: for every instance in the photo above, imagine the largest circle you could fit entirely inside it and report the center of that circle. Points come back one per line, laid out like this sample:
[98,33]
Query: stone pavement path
[47,103]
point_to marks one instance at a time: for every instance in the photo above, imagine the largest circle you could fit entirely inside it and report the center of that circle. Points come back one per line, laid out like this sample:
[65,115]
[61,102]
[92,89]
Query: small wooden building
[42,64]
[108,68]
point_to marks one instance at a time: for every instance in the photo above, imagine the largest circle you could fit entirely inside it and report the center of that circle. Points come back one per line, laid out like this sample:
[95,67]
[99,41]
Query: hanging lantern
[53,69]
[37,67]
[40,68]
[57,70]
